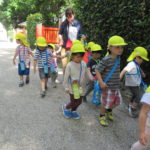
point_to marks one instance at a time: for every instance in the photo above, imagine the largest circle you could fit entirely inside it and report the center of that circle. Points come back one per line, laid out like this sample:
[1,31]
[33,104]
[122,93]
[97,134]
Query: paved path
[28,122]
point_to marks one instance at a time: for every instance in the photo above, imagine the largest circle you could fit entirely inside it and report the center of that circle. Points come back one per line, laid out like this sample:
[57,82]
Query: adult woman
[70,30]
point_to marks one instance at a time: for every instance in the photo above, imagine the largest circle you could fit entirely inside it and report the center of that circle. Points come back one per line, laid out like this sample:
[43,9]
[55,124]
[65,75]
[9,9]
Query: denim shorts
[43,75]
[25,72]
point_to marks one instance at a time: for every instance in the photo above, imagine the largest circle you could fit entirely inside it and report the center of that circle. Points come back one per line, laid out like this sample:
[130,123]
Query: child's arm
[31,54]
[66,79]
[142,123]
[101,82]
[122,73]
[14,58]
[35,65]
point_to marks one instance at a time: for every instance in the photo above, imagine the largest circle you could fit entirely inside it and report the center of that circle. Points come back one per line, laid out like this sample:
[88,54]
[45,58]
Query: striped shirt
[105,66]
[24,54]
[43,57]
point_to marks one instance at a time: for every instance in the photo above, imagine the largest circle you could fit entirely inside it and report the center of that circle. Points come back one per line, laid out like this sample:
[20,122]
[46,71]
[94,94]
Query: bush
[129,19]
[32,21]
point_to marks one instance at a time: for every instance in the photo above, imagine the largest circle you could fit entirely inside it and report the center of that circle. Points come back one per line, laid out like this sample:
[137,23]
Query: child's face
[96,55]
[41,48]
[51,49]
[18,41]
[139,60]
[116,50]
[77,58]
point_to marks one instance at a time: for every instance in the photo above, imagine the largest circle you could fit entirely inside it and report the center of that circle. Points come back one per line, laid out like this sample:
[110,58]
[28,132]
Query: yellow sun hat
[116,41]
[139,51]
[41,41]
[90,44]
[148,89]
[76,42]
[23,38]
[52,45]
[78,48]
[96,47]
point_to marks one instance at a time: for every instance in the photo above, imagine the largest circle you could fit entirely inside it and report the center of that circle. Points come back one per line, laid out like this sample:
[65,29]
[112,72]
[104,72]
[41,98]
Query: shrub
[32,21]
[104,18]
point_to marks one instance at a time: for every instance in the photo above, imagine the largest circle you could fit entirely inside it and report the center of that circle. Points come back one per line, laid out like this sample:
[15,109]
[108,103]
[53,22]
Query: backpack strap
[112,70]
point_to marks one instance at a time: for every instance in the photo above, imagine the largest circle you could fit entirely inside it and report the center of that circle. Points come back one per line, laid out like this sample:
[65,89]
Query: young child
[53,62]
[75,78]
[144,123]
[88,53]
[23,52]
[95,59]
[134,74]
[111,96]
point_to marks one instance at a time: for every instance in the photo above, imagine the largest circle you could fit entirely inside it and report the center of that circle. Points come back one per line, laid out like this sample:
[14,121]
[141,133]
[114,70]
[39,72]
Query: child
[95,59]
[111,96]
[134,76]
[144,123]
[87,55]
[24,52]
[54,71]
[75,78]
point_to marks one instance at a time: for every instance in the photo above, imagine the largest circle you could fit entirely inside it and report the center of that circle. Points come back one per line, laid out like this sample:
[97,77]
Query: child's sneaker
[110,116]
[103,121]
[132,111]
[75,115]
[66,112]
[21,83]
[43,93]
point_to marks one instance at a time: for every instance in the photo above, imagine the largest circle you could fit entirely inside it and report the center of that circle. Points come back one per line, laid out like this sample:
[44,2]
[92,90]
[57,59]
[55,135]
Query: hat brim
[121,44]
[42,45]
[145,58]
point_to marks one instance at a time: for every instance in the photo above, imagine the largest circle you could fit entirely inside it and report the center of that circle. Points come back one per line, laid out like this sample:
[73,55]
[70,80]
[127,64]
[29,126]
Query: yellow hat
[78,48]
[76,42]
[23,38]
[148,89]
[90,44]
[116,41]
[41,41]
[96,47]
[52,45]
[139,51]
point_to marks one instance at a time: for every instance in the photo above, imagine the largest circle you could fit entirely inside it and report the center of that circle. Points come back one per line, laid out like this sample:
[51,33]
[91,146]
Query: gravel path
[28,122]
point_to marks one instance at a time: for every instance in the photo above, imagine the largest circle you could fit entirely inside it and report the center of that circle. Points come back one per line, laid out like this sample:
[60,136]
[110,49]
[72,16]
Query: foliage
[104,18]
[32,21]
[14,12]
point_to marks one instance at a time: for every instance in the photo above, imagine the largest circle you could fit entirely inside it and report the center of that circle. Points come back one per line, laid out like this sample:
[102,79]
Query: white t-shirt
[72,34]
[133,77]
[146,99]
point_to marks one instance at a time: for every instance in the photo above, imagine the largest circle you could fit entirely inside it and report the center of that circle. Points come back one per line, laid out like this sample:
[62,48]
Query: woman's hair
[69,12]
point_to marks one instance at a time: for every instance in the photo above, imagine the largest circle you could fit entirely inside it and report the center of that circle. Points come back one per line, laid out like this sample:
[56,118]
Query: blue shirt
[43,57]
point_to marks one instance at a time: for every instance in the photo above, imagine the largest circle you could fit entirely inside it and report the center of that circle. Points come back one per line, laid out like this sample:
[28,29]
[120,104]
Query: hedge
[104,18]
[32,21]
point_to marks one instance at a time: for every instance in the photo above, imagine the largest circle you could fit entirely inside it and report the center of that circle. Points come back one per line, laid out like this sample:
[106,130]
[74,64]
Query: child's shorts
[43,75]
[26,72]
[137,93]
[110,98]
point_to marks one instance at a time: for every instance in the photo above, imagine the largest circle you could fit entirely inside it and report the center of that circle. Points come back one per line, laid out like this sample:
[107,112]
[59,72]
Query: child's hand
[143,75]
[103,85]
[143,139]
[67,91]
[14,62]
